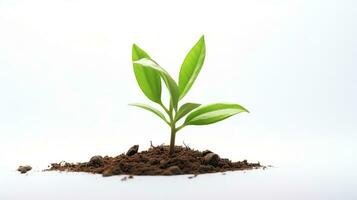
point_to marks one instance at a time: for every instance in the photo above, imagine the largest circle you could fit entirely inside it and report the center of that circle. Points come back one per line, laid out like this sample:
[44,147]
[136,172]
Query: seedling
[149,75]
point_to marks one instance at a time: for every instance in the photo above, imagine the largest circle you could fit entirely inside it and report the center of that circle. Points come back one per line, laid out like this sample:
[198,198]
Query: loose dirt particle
[194,176]
[24,169]
[156,161]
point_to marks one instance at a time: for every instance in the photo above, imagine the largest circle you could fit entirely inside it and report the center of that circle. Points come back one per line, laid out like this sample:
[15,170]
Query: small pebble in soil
[133,150]
[24,169]
[211,159]
[96,161]
[205,152]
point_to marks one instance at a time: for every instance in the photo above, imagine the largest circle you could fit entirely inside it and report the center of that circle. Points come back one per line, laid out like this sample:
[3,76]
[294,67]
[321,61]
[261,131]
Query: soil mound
[156,161]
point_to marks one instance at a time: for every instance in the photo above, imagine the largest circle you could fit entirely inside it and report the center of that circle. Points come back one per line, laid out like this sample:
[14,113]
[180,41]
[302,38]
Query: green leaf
[191,66]
[170,83]
[185,109]
[148,79]
[149,108]
[213,113]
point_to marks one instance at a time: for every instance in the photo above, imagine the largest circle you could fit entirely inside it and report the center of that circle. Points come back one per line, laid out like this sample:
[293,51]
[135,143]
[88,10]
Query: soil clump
[156,161]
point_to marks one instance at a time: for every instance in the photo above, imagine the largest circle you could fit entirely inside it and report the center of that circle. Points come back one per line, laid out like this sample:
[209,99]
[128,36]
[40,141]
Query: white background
[66,79]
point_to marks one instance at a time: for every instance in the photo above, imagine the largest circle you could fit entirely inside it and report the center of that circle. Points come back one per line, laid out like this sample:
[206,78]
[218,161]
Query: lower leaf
[213,113]
[151,109]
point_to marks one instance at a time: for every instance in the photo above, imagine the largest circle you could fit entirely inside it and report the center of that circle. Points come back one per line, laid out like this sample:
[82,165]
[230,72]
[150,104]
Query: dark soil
[156,161]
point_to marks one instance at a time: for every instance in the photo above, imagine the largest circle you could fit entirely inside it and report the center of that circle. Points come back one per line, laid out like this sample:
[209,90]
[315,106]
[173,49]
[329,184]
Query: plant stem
[172,139]
[173,130]
[172,125]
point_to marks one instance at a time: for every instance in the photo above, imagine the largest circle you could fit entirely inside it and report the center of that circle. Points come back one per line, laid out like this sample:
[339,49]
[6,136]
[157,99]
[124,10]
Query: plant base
[156,161]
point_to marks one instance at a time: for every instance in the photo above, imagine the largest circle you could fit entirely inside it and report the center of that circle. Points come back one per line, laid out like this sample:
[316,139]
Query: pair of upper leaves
[149,74]
[149,77]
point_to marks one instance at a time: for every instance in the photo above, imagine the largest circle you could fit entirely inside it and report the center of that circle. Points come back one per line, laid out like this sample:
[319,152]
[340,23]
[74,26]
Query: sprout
[150,75]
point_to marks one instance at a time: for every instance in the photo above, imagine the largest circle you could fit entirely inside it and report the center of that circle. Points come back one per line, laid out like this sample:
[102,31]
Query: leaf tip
[202,41]
[135,48]
[245,110]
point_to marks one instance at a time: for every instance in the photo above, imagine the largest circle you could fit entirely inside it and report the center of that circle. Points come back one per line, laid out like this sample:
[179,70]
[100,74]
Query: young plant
[149,76]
